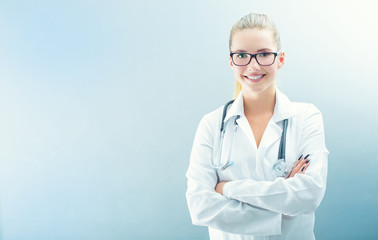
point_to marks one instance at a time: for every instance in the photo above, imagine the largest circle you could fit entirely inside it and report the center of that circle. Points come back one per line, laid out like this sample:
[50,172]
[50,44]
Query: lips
[255,77]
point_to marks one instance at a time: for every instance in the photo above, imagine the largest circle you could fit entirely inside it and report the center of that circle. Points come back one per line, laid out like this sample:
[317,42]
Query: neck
[260,102]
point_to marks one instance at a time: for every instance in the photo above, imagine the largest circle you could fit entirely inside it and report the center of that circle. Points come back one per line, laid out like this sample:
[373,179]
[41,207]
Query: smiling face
[253,77]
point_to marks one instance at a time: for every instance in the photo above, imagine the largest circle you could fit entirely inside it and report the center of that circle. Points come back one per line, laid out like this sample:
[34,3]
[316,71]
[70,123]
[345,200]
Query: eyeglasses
[263,58]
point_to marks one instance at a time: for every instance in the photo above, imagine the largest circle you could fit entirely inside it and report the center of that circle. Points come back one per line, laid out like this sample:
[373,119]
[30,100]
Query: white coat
[255,203]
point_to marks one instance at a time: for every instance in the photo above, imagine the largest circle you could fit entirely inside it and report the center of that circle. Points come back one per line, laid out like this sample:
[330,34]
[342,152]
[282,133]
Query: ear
[231,63]
[281,59]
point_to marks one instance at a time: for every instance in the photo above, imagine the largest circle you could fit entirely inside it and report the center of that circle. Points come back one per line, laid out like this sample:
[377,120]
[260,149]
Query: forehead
[252,40]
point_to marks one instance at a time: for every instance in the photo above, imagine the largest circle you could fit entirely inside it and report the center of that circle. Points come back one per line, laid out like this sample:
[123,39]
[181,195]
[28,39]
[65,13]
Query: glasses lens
[241,59]
[265,58]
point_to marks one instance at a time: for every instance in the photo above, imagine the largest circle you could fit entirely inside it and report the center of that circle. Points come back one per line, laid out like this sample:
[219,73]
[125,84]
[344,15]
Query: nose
[253,65]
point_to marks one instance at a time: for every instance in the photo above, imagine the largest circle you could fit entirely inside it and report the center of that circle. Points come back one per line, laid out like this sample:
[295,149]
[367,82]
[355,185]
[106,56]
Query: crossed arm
[299,168]
[298,192]
[208,208]
[248,206]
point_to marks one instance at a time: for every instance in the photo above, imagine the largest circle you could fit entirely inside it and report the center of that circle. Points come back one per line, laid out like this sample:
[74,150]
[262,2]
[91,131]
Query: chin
[258,88]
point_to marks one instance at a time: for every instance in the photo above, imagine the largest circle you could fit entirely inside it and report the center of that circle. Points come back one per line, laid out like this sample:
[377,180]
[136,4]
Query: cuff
[227,190]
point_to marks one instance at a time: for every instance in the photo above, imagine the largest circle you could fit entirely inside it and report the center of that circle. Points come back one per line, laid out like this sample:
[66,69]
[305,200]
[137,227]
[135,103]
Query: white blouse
[255,203]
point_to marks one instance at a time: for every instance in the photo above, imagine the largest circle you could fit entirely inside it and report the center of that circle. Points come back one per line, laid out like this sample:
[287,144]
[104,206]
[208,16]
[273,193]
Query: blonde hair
[250,21]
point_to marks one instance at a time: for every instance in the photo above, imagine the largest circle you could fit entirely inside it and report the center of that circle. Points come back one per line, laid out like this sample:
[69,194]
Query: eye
[241,55]
[264,54]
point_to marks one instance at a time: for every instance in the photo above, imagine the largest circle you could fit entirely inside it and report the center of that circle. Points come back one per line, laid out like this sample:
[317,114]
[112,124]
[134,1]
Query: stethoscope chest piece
[280,168]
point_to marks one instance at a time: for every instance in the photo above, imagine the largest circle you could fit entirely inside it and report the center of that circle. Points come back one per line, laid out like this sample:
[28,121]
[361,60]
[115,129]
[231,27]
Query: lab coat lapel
[244,126]
[228,140]
[282,110]
[237,108]
[272,134]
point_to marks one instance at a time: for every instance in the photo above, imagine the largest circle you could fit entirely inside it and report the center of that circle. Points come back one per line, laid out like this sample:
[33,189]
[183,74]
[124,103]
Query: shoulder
[299,110]
[211,122]
[305,109]
[308,115]
[310,126]
[213,118]
[209,126]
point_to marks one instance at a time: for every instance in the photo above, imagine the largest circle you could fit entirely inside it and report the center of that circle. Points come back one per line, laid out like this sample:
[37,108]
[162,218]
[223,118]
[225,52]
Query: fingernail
[307,161]
[300,157]
[303,169]
[307,156]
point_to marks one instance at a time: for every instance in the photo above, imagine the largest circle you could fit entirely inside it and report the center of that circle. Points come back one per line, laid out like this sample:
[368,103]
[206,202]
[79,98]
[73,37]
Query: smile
[256,78]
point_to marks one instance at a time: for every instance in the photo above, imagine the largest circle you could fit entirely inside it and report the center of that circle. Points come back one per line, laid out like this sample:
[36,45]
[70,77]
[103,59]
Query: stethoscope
[279,168]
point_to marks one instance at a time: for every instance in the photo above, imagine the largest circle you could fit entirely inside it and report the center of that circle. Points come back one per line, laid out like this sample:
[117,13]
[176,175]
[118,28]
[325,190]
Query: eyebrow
[264,50]
[260,50]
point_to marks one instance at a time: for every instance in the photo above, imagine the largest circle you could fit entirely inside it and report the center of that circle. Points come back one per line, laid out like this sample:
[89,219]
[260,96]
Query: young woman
[258,166]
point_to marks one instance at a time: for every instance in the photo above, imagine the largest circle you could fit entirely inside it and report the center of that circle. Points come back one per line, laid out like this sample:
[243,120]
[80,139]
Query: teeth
[254,78]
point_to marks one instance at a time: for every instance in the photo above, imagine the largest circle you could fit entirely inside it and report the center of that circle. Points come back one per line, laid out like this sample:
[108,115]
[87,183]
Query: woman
[238,187]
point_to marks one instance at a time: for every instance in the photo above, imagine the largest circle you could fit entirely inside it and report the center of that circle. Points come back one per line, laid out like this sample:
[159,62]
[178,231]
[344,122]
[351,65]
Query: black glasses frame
[253,56]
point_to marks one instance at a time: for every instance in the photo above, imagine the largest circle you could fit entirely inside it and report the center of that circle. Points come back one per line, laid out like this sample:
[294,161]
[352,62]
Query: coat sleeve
[300,194]
[207,207]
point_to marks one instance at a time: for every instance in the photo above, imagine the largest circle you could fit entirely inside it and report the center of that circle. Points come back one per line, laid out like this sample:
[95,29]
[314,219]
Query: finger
[300,167]
[305,166]
[301,161]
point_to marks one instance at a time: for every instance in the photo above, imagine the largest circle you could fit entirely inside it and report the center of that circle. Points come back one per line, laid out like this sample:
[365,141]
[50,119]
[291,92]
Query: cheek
[271,69]
[237,70]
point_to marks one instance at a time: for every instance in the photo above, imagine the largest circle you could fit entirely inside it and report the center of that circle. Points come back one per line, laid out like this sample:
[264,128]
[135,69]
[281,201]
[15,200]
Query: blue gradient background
[100,100]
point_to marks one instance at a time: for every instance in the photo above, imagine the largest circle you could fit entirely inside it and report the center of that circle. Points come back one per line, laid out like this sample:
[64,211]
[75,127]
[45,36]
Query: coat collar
[283,109]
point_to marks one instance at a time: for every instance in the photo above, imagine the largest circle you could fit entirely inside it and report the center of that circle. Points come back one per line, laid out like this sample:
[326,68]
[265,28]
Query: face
[253,77]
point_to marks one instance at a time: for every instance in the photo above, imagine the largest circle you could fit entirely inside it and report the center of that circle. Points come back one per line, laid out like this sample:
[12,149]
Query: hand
[300,167]
[219,187]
